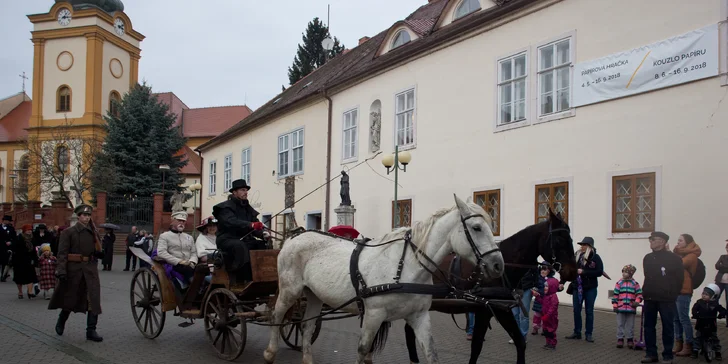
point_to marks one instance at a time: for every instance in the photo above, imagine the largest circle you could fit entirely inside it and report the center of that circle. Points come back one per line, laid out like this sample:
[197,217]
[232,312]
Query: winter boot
[61,323]
[677,347]
[620,343]
[686,350]
[91,321]
[535,330]
[574,336]
[630,343]
[718,355]
[694,354]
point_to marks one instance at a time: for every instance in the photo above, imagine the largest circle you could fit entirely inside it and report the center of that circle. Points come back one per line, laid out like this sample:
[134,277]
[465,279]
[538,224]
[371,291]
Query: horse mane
[421,229]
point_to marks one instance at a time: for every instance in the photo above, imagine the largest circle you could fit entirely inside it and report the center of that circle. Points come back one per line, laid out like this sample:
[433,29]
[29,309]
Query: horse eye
[477,228]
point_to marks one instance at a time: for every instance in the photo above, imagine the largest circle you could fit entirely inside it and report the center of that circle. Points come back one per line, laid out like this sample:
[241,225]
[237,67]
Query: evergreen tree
[141,137]
[311,53]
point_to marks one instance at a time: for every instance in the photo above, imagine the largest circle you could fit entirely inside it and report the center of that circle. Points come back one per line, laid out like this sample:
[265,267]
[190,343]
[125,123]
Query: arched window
[21,185]
[63,159]
[466,7]
[63,101]
[114,103]
[402,37]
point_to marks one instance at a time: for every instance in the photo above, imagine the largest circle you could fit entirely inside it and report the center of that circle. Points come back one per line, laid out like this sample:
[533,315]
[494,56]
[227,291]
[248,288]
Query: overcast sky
[212,52]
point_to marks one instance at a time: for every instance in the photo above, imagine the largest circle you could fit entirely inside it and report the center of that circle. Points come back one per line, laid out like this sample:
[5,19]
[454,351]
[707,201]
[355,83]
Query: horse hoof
[269,357]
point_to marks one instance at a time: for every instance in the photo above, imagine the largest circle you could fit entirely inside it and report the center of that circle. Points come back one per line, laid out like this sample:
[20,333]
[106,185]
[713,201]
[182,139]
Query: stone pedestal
[345,215]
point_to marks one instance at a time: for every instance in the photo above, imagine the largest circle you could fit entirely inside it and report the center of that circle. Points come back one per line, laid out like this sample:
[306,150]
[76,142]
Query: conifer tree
[141,137]
[311,53]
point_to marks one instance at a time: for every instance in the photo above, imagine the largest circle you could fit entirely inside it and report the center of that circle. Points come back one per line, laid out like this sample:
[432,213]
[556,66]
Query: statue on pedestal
[176,201]
[345,198]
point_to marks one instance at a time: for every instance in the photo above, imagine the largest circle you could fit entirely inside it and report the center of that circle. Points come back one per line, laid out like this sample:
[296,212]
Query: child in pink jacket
[550,312]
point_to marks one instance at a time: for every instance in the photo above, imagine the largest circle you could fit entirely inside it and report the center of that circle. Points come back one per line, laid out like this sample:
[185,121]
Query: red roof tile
[13,125]
[211,121]
[194,162]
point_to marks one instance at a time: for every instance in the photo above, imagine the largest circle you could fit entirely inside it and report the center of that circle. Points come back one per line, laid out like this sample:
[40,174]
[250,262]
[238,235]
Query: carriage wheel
[292,334]
[226,331]
[146,303]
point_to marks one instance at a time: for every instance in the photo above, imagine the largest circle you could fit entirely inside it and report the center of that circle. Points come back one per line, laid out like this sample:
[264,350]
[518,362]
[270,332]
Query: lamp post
[194,188]
[392,163]
[164,168]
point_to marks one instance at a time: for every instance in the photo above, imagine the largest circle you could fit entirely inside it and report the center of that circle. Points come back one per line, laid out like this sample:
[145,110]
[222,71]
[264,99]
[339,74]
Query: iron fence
[128,211]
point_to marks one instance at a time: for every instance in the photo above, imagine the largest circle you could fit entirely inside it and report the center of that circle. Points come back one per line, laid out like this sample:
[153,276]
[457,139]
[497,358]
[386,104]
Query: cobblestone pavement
[27,336]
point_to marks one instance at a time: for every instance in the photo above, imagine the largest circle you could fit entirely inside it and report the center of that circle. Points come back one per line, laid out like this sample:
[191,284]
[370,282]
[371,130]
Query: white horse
[318,266]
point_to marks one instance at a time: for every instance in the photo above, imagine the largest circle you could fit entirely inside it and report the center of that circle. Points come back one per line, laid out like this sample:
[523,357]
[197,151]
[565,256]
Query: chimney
[362,40]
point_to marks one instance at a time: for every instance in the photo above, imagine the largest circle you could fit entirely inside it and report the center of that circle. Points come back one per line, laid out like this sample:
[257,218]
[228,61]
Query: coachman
[78,288]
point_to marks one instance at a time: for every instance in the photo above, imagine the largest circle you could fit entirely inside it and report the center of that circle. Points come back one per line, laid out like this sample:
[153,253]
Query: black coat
[107,244]
[40,240]
[705,312]
[664,275]
[25,260]
[592,268]
[722,266]
[7,234]
[234,221]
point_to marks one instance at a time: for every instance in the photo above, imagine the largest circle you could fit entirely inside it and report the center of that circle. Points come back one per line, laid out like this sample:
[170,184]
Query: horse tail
[381,337]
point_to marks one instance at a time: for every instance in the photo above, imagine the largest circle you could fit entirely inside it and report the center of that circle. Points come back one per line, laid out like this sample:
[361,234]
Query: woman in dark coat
[41,236]
[584,288]
[25,260]
[108,247]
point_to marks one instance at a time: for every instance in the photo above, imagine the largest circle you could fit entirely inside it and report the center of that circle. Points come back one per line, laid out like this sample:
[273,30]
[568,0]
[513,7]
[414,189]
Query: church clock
[64,17]
[119,26]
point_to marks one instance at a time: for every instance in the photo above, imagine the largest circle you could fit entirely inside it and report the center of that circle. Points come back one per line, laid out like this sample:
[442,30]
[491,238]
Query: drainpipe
[202,168]
[327,203]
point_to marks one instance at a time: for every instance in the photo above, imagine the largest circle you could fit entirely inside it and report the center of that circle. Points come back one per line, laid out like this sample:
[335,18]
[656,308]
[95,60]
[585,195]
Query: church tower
[86,53]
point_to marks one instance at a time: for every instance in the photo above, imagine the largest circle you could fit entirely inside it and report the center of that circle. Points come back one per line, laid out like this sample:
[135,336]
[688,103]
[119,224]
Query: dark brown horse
[549,239]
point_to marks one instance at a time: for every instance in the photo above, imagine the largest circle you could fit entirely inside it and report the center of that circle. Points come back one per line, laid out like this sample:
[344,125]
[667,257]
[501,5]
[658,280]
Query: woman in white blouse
[205,243]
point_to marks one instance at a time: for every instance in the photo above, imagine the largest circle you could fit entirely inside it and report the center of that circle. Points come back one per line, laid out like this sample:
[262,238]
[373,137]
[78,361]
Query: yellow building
[86,54]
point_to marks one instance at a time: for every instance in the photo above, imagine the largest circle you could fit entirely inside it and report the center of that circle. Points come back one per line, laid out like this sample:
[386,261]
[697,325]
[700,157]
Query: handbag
[570,288]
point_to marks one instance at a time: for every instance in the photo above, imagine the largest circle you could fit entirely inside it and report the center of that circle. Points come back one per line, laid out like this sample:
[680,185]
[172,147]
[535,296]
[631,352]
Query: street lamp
[392,163]
[163,168]
[194,188]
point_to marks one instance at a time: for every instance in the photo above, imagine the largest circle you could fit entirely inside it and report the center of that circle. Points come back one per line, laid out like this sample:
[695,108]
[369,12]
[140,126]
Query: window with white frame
[245,166]
[404,126]
[512,74]
[554,77]
[349,138]
[290,153]
[228,172]
[213,177]
[402,37]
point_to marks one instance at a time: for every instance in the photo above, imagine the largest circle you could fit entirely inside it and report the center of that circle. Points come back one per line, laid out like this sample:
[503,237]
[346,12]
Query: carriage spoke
[224,340]
[154,317]
[140,285]
[138,295]
[156,310]
[231,340]
[146,321]
[144,310]
[219,333]
[288,336]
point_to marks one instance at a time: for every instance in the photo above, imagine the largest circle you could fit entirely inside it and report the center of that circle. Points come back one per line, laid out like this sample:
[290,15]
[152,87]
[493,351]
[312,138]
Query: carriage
[226,310]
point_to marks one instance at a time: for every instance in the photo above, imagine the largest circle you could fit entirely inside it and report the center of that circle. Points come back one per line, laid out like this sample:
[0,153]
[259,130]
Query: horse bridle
[553,261]
[478,255]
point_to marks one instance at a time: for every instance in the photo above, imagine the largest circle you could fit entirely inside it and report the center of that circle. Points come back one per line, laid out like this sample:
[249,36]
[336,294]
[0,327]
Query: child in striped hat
[627,297]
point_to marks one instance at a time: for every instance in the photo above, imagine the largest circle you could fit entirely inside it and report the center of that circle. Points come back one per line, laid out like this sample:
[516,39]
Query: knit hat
[45,248]
[629,268]
[27,227]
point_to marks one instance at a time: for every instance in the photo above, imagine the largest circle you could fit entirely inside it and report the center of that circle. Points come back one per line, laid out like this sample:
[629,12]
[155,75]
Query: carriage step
[187,313]
[251,314]
[240,288]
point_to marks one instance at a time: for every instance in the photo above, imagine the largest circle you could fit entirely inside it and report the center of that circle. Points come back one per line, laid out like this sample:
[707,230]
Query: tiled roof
[361,62]
[13,125]
[194,162]
[211,121]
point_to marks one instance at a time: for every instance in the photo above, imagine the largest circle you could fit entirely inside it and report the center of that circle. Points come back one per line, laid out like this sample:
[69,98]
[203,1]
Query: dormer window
[466,7]
[402,37]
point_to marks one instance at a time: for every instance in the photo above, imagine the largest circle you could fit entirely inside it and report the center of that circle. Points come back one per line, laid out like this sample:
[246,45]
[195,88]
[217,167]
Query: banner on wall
[685,58]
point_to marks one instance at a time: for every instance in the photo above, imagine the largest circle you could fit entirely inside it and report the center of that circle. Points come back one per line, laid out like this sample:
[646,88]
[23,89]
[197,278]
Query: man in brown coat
[78,288]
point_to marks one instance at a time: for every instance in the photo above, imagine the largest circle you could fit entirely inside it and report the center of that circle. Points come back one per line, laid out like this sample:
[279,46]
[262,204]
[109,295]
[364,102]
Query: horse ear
[470,199]
[551,214]
[462,206]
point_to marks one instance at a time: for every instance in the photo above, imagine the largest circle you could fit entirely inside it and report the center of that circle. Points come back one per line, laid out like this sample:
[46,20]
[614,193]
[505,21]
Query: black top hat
[238,184]
[41,226]
[7,218]
[588,240]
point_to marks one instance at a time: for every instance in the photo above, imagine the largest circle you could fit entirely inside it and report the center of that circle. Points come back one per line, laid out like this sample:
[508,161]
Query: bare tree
[60,165]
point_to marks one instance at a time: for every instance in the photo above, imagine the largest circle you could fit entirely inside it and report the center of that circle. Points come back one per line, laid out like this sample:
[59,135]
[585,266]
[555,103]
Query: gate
[128,211]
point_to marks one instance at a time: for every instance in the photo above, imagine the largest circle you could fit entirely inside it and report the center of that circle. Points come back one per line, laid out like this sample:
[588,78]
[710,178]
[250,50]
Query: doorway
[313,221]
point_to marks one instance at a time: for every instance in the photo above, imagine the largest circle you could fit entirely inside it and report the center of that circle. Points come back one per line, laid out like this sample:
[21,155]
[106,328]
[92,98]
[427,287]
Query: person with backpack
[689,251]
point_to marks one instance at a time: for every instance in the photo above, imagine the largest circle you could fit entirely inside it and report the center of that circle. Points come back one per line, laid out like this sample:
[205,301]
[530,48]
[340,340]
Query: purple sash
[171,273]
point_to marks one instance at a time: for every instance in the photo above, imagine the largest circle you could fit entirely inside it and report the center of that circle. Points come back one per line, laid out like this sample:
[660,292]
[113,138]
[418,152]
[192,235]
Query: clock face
[64,17]
[119,26]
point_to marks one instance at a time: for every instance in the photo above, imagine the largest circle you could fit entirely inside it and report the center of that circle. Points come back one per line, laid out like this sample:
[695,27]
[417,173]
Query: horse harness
[446,289]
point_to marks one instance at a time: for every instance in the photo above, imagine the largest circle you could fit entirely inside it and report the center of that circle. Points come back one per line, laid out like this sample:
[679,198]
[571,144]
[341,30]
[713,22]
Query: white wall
[268,191]
[75,77]
[675,131]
